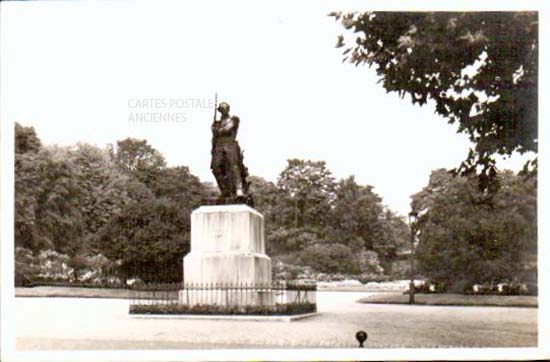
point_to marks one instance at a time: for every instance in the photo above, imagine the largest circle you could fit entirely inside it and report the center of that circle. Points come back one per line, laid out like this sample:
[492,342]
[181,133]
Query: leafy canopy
[464,238]
[480,69]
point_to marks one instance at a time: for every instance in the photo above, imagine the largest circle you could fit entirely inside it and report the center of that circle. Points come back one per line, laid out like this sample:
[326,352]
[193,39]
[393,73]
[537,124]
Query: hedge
[50,283]
[278,309]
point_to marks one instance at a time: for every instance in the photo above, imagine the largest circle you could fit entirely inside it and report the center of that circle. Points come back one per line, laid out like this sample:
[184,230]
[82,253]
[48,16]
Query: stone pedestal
[227,246]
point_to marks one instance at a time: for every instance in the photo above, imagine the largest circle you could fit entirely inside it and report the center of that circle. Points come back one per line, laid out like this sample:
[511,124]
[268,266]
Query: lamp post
[412,225]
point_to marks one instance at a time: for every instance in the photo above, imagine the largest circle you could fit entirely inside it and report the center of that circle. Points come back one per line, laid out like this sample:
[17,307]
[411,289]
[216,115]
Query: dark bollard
[361,337]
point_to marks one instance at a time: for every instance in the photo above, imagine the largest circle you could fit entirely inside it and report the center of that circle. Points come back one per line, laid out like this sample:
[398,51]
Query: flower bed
[277,309]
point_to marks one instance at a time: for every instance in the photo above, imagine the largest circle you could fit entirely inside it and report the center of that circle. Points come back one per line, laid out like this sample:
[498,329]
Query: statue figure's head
[223,108]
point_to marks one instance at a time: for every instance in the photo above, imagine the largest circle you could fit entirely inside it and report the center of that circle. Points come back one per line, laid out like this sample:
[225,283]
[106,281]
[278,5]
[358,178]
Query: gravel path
[74,323]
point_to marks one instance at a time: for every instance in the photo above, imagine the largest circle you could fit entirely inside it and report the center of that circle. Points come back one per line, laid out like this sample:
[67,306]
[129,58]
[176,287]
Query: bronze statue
[227,158]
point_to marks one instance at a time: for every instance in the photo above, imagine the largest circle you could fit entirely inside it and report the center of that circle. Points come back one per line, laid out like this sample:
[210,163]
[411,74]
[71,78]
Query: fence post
[186,288]
[226,294]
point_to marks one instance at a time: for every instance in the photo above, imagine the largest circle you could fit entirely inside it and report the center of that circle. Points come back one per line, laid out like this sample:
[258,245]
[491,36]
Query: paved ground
[75,323]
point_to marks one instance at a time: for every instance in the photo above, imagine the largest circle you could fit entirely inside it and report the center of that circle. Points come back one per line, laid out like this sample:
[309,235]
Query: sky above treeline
[99,72]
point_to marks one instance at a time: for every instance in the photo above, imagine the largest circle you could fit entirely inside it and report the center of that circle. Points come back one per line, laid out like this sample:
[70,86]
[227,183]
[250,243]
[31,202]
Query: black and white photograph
[273,180]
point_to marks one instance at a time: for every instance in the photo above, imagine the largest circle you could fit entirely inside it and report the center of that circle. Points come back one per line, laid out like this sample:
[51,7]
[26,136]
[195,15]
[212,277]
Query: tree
[308,189]
[301,206]
[466,237]
[285,240]
[59,220]
[179,185]
[480,69]
[394,237]
[64,195]
[150,237]
[28,163]
[270,201]
[149,240]
[83,200]
[28,183]
[330,258]
[359,220]
[132,154]
[26,139]
[138,158]
[104,189]
[46,196]
[267,197]
[356,215]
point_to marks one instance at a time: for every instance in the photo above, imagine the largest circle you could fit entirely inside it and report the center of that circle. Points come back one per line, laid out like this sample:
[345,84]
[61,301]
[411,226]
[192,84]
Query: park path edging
[214,317]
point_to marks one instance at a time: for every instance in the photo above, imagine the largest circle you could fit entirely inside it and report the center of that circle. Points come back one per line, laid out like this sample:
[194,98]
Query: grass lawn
[77,292]
[454,299]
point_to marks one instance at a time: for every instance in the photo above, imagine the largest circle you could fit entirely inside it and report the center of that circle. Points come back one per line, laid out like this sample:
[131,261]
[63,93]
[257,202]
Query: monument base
[227,247]
[227,264]
[227,268]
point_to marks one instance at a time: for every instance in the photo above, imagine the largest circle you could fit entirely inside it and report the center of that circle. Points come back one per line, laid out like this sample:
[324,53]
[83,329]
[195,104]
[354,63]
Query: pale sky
[78,71]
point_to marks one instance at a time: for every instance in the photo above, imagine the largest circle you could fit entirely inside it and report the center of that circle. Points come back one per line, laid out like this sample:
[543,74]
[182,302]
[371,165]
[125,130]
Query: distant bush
[289,271]
[330,258]
[153,248]
[55,266]
[25,267]
[278,309]
[376,278]
[428,288]
[368,262]
[503,289]
[477,289]
[532,289]
[56,283]
[21,279]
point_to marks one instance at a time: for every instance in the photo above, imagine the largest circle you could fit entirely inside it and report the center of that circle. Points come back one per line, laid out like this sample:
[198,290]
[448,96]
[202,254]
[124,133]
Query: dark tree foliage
[355,214]
[466,238]
[132,154]
[308,187]
[309,212]
[360,220]
[330,258]
[480,69]
[125,204]
[266,196]
[59,219]
[290,240]
[267,200]
[26,139]
[178,184]
[83,201]
[149,239]
[47,197]
[28,178]
[138,158]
